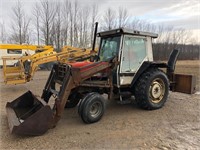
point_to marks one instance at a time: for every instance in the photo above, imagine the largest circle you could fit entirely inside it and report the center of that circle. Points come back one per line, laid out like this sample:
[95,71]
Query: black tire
[73,100]
[93,108]
[152,89]
[80,106]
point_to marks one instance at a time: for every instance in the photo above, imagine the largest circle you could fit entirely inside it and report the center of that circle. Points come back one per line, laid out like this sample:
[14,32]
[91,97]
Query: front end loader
[29,115]
[123,68]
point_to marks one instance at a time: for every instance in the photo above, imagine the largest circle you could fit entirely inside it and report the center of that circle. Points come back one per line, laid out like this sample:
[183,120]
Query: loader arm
[72,78]
[63,57]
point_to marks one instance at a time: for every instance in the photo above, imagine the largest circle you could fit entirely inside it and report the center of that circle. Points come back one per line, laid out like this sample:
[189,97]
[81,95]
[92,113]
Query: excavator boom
[27,65]
[29,47]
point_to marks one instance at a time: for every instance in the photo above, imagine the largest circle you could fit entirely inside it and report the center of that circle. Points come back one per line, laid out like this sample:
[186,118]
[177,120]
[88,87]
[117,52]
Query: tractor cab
[131,48]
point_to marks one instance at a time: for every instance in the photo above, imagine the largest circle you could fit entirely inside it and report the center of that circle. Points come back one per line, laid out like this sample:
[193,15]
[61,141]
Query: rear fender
[145,66]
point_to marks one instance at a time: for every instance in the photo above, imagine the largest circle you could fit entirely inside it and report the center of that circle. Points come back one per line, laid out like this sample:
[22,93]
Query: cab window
[14,51]
[134,52]
[109,48]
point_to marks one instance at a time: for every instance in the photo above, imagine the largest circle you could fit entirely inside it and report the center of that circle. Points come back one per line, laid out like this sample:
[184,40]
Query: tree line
[72,23]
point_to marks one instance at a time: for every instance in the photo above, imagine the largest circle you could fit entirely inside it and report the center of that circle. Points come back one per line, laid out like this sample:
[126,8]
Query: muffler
[27,115]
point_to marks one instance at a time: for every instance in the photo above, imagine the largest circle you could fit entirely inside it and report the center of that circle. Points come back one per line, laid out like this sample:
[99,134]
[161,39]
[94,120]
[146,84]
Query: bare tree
[123,17]
[18,17]
[20,24]
[71,18]
[109,19]
[86,12]
[47,17]
[179,36]
[80,28]
[52,34]
[75,23]
[2,33]
[82,25]
[168,39]
[36,14]
[142,25]
[58,22]
[65,28]
[93,20]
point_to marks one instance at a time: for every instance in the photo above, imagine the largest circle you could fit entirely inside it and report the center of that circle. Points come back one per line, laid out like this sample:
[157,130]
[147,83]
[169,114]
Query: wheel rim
[95,109]
[157,90]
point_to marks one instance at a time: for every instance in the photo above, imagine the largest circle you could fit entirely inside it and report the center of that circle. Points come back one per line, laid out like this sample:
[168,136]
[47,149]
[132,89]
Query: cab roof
[126,31]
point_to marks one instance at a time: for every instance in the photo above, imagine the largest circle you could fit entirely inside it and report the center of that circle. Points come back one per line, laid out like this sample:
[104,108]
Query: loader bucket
[28,116]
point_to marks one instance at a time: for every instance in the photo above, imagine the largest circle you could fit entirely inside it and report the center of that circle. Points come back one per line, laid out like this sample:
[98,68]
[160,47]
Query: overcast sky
[177,13]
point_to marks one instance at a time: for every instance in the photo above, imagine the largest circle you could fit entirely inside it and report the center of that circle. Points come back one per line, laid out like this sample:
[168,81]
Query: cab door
[134,53]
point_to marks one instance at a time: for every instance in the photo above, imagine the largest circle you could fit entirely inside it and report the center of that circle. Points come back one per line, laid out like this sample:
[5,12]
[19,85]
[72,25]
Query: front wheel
[92,108]
[152,89]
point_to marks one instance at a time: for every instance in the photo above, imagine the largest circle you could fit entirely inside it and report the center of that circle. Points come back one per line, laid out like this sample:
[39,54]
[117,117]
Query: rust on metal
[28,116]
[184,83]
[72,78]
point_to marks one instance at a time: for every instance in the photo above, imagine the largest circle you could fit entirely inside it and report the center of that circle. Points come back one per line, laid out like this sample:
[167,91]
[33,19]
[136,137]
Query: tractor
[123,68]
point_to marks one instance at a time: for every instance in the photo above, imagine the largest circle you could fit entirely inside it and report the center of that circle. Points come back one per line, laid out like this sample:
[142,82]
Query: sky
[177,13]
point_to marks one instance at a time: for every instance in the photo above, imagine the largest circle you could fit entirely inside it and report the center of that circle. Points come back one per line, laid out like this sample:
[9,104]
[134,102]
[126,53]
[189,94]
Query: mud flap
[184,83]
[28,116]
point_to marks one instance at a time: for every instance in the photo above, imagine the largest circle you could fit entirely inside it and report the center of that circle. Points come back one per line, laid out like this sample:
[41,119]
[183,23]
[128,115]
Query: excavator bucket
[28,116]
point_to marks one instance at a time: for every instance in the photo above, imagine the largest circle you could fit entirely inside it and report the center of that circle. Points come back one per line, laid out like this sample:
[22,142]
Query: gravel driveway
[175,126]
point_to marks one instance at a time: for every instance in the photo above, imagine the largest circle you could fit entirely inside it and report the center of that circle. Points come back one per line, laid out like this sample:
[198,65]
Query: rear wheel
[92,108]
[152,89]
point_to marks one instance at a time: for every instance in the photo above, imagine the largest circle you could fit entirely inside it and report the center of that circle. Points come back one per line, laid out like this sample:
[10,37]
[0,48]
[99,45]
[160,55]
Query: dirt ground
[175,126]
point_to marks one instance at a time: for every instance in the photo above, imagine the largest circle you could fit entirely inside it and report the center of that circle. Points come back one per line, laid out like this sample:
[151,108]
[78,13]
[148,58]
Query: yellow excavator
[14,51]
[27,65]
